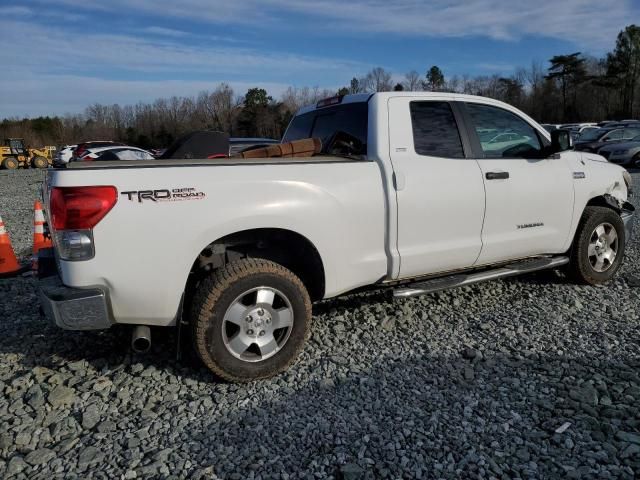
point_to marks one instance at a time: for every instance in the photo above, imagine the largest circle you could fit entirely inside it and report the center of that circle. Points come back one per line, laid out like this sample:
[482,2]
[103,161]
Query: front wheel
[250,320]
[598,247]
[39,162]
[9,163]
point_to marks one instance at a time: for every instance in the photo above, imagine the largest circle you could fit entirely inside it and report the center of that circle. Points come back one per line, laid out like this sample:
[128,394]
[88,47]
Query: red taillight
[79,208]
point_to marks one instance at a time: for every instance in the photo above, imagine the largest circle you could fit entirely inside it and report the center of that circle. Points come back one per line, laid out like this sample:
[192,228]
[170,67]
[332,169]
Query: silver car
[625,153]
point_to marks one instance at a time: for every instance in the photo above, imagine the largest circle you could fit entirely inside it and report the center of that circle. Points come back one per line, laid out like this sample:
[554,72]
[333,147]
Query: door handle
[497,175]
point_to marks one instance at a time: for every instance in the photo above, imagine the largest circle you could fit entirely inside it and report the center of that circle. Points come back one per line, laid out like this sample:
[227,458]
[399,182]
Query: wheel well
[604,201]
[289,249]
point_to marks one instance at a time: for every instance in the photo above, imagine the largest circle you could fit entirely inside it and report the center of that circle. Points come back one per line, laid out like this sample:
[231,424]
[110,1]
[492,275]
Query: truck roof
[445,96]
[365,97]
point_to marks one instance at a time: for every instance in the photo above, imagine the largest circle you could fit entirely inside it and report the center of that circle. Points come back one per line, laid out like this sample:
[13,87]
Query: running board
[462,279]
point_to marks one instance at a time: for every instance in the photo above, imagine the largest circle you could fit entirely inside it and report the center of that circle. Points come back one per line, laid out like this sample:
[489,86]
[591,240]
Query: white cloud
[56,50]
[162,31]
[59,94]
[56,72]
[496,67]
[15,11]
[590,24]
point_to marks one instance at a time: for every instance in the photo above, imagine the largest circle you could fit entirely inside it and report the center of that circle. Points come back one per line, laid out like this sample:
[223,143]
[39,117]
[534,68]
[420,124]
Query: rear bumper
[72,308]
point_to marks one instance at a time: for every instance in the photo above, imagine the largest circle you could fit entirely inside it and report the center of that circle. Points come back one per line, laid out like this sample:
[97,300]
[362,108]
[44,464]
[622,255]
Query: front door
[439,188]
[529,196]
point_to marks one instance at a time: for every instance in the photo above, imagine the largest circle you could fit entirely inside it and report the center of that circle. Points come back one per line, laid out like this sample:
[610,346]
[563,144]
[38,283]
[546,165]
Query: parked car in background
[63,155]
[623,153]
[504,141]
[116,153]
[158,152]
[198,144]
[593,140]
[607,123]
[237,145]
[577,130]
[212,144]
[82,148]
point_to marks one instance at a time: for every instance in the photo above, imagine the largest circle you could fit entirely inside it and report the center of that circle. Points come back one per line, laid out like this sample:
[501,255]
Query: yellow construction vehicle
[14,154]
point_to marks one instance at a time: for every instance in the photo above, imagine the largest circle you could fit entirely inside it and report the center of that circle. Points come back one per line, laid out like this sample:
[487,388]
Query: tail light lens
[77,208]
[75,211]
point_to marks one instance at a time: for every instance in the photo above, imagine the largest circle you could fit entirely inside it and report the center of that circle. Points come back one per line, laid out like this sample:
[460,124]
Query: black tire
[580,268]
[10,163]
[215,294]
[39,162]
[635,161]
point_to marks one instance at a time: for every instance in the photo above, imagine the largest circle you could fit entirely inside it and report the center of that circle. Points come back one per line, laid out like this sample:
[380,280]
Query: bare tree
[412,81]
[377,80]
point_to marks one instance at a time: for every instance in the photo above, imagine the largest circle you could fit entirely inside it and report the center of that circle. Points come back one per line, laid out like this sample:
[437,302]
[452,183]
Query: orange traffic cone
[8,262]
[39,240]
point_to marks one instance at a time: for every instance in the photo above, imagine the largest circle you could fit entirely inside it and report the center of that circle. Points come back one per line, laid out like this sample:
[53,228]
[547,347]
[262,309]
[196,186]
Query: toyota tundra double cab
[415,192]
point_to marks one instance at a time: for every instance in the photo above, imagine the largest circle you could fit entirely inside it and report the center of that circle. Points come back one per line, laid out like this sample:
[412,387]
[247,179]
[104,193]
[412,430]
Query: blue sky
[62,55]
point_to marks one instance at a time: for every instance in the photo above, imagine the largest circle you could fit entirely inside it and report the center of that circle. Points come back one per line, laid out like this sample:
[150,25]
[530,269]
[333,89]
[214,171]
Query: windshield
[324,123]
[590,135]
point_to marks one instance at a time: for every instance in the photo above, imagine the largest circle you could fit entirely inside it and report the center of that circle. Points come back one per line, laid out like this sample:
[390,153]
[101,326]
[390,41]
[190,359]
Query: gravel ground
[525,378]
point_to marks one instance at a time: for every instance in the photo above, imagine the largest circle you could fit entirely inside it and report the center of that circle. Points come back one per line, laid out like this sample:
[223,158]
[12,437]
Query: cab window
[503,134]
[435,131]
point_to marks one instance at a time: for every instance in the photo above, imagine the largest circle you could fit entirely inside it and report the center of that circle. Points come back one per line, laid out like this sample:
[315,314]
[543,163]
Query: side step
[462,279]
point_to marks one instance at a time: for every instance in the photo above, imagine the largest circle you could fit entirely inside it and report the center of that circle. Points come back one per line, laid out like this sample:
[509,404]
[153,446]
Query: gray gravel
[524,378]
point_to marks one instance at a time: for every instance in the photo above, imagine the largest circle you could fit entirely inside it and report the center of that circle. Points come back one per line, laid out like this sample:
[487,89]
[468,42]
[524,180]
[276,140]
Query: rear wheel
[250,320]
[598,247]
[10,163]
[39,162]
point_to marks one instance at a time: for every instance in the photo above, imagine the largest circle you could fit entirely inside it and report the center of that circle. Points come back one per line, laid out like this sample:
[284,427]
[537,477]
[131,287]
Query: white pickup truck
[416,192]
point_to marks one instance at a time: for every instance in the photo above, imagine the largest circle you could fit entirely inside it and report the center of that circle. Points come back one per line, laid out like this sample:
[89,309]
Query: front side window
[435,131]
[629,133]
[511,136]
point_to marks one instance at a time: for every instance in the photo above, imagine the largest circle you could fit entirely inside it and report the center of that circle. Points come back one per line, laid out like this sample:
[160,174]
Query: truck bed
[210,162]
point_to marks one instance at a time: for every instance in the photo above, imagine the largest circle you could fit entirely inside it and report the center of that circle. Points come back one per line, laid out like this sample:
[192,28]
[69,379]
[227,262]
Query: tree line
[573,87]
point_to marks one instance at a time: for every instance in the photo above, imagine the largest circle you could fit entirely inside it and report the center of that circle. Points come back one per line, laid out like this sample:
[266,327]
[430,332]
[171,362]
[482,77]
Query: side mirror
[560,141]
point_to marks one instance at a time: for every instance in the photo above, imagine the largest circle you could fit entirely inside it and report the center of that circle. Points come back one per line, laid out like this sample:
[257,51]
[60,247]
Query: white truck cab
[412,191]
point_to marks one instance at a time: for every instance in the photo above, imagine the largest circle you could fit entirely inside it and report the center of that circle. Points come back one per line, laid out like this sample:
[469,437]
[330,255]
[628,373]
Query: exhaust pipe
[141,339]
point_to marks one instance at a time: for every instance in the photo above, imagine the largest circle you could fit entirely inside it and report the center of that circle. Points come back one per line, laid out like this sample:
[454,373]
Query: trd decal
[164,195]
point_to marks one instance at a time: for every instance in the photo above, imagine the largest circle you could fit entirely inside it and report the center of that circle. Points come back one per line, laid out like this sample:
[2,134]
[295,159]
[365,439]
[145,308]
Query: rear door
[529,197]
[439,188]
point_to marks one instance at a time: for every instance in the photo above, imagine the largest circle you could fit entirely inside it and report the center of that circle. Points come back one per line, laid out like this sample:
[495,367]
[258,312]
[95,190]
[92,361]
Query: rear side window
[435,131]
[324,123]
